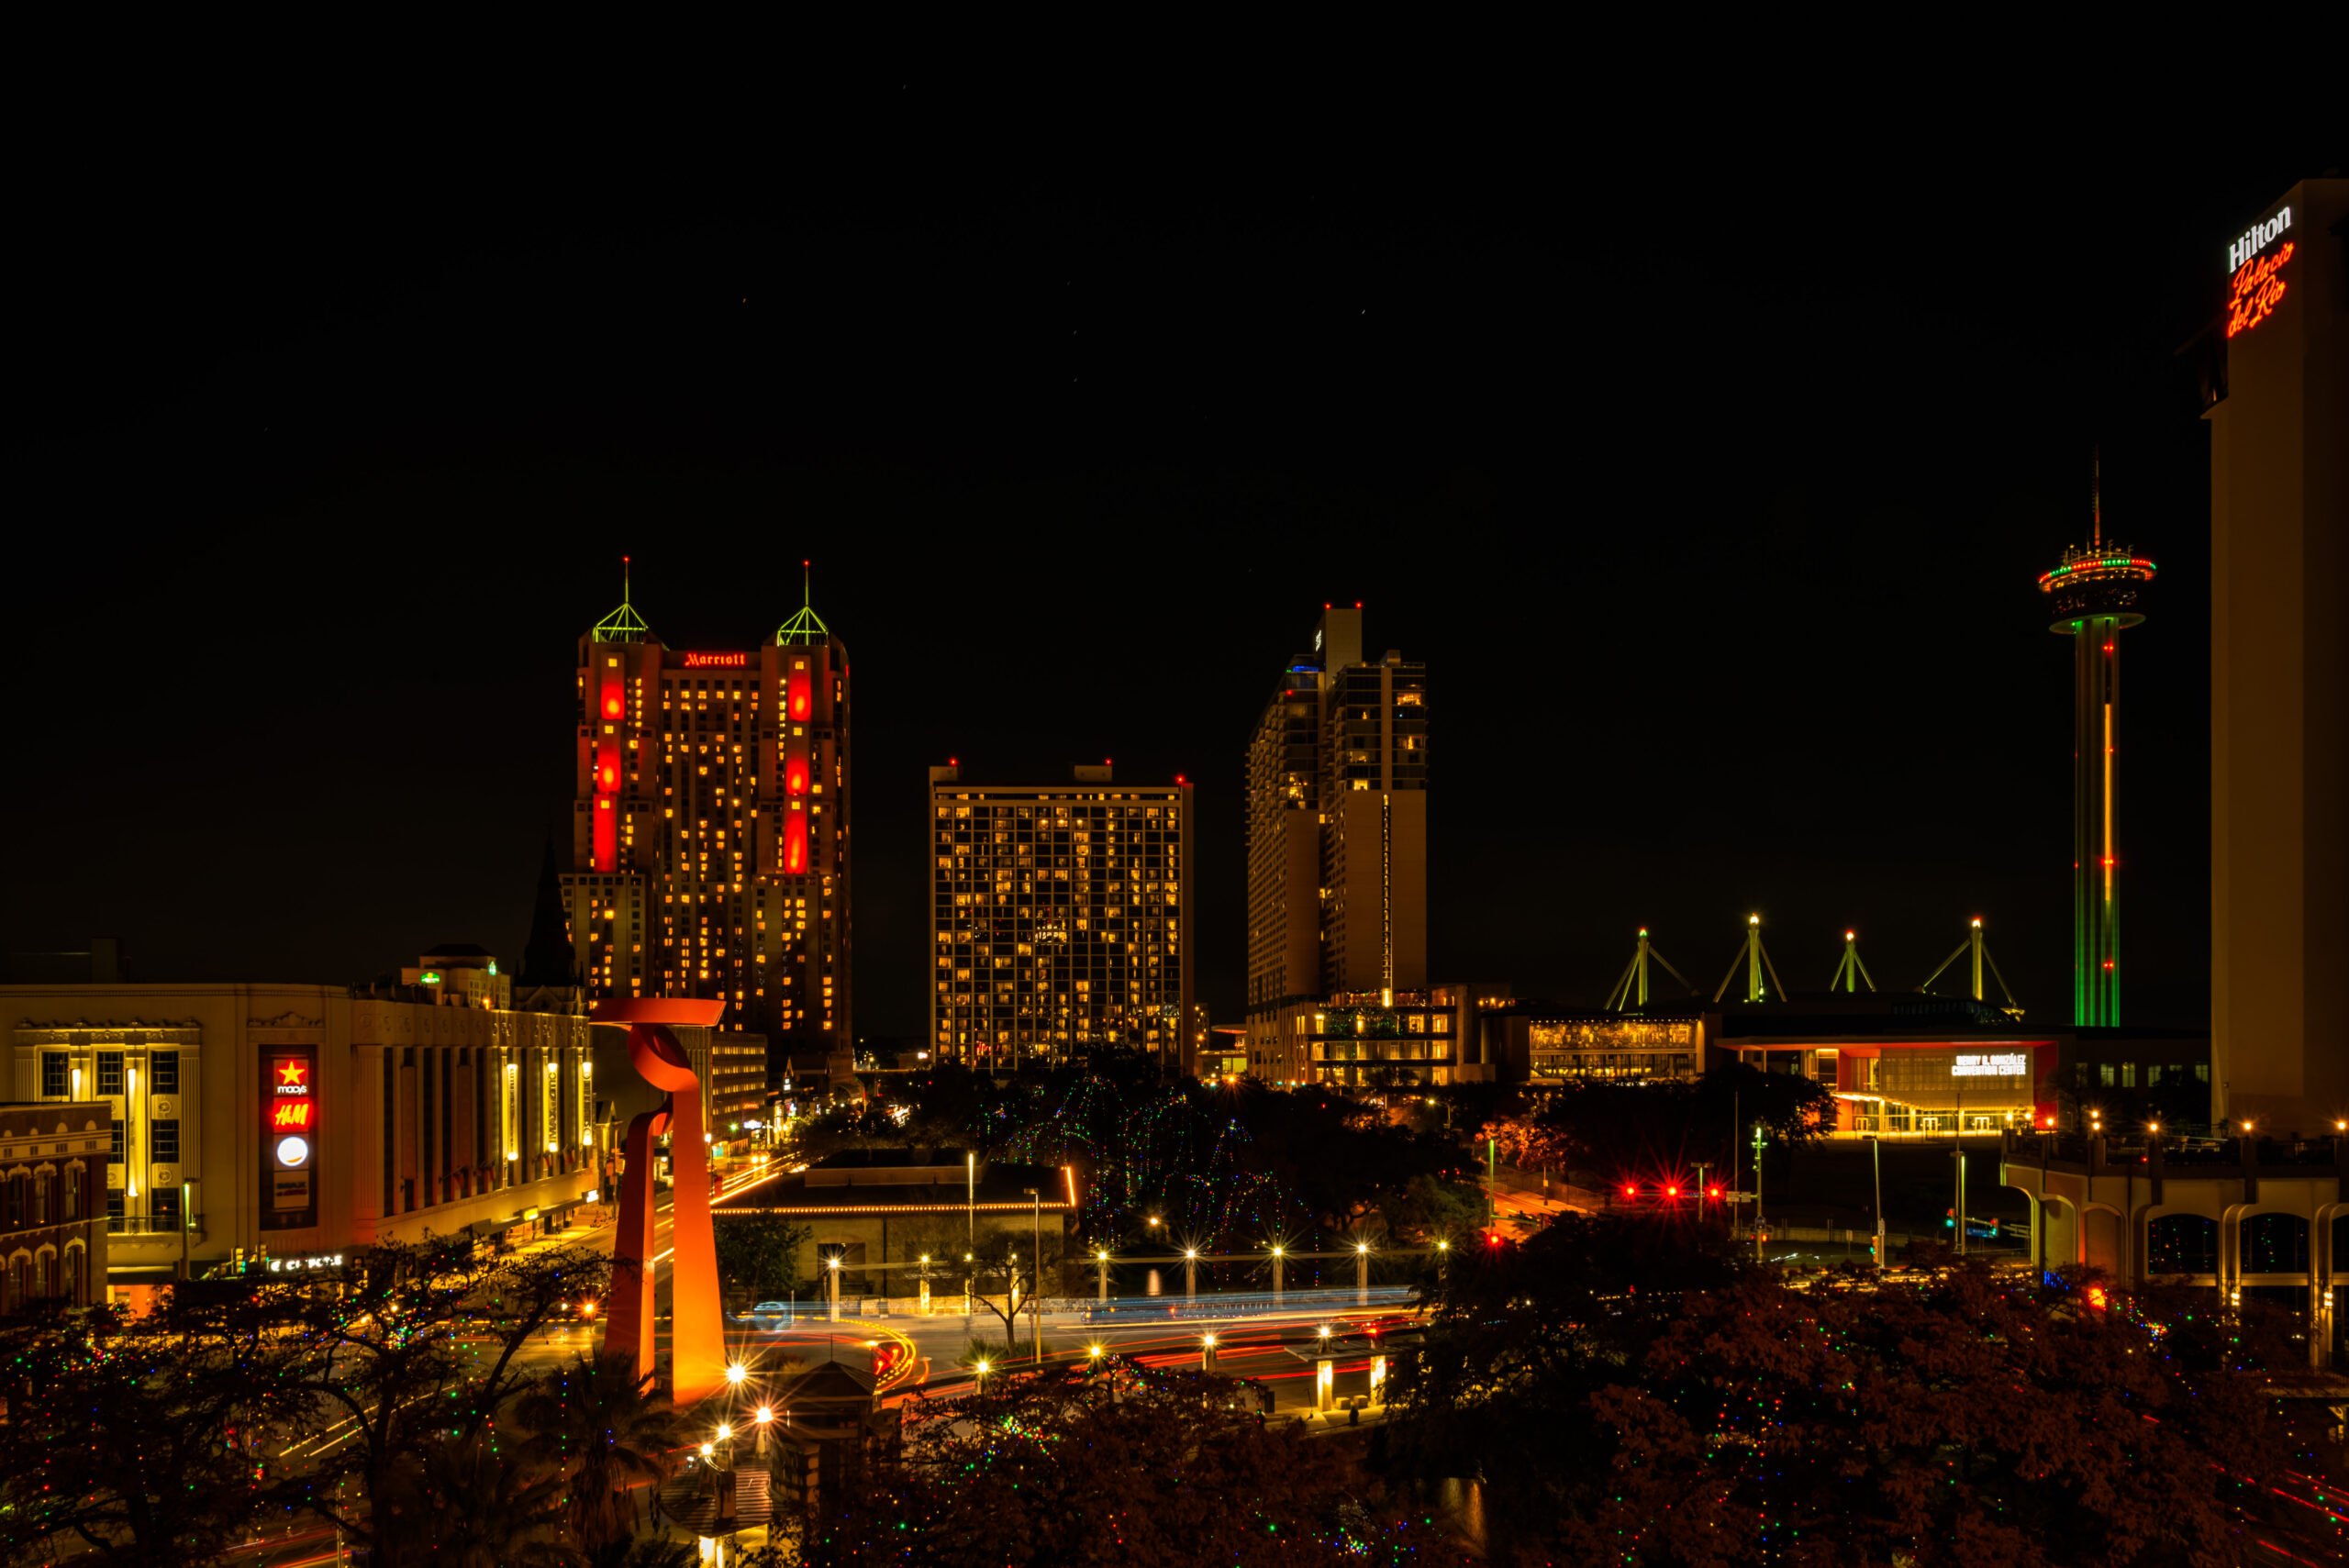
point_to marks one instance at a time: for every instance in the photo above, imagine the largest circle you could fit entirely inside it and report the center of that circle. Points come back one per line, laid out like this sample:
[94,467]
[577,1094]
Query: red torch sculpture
[698,1335]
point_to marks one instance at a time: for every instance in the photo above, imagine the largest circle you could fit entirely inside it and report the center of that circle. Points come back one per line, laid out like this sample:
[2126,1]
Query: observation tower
[2097,592]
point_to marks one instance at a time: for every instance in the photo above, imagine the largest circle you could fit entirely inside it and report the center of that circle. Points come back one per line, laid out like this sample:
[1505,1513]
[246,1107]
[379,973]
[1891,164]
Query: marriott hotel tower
[710,827]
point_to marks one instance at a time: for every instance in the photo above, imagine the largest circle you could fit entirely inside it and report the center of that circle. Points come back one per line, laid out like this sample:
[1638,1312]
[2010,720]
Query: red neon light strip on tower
[795,841]
[802,699]
[608,818]
[795,777]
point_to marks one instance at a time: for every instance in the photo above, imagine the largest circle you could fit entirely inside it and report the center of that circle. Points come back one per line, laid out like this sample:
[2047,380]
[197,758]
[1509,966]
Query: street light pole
[1035,1309]
[1875,1153]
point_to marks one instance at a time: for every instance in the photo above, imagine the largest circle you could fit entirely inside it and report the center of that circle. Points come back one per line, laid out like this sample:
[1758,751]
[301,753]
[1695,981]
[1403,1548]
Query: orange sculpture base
[697,1330]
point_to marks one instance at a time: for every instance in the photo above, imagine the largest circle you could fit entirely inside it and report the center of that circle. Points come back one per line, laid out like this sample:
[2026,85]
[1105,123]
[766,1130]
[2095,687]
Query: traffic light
[1673,1192]
[2096,1298]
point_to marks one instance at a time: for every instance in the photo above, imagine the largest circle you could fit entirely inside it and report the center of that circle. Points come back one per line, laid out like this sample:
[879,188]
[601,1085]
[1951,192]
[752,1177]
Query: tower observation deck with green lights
[2097,592]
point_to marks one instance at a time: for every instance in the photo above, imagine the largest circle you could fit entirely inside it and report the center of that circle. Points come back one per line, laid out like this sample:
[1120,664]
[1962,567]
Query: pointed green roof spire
[806,626]
[623,624]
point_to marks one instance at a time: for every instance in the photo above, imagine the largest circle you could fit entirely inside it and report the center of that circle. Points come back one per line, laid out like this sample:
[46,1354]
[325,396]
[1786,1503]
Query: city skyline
[1705,742]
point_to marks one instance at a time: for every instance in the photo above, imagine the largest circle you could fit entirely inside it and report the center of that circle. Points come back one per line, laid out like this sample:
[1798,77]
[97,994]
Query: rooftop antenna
[806,626]
[1851,972]
[1755,961]
[1636,978]
[623,624]
[2095,495]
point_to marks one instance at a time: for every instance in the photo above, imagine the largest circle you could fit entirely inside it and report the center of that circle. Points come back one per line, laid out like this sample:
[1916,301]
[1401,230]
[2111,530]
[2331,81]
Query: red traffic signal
[1672,1192]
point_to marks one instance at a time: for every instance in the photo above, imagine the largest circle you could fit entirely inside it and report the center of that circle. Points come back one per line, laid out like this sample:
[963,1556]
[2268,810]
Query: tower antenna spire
[623,624]
[806,626]
[2096,495]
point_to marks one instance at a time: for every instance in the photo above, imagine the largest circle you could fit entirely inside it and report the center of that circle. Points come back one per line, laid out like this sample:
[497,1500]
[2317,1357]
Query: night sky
[1712,491]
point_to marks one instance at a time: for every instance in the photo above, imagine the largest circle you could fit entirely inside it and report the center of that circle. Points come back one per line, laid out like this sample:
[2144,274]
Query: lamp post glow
[1191,1273]
[1206,1353]
[1276,1277]
[1362,1272]
[736,1373]
[1101,1273]
[763,1418]
[834,1264]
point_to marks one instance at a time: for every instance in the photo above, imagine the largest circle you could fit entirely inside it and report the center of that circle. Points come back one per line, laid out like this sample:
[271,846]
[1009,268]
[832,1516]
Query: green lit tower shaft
[2097,592]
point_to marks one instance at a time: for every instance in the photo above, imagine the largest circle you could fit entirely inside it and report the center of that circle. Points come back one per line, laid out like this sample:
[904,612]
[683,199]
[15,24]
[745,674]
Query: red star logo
[292,1073]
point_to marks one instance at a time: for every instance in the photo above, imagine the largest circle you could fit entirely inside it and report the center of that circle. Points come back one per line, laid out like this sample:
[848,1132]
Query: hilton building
[1060,919]
[2264,1212]
[1337,846]
[2278,411]
[710,831]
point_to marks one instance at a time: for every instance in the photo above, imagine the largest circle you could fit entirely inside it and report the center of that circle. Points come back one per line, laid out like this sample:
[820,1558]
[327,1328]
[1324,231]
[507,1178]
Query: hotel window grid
[110,1073]
[1056,918]
[55,1079]
[114,1155]
[163,1141]
[166,1066]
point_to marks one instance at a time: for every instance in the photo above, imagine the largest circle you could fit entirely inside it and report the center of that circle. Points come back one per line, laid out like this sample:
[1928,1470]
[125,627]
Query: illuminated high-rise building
[710,832]
[1337,839]
[2278,369]
[1060,919]
[2097,592]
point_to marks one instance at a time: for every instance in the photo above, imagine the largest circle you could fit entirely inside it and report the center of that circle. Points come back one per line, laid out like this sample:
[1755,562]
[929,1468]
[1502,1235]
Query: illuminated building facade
[1558,1046]
[710,830]
[53,1158]
[1381,1039]
[2277,379]
[1060,919]
[2097,592]
[736,1071]
[302,1119]
[1336,841]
